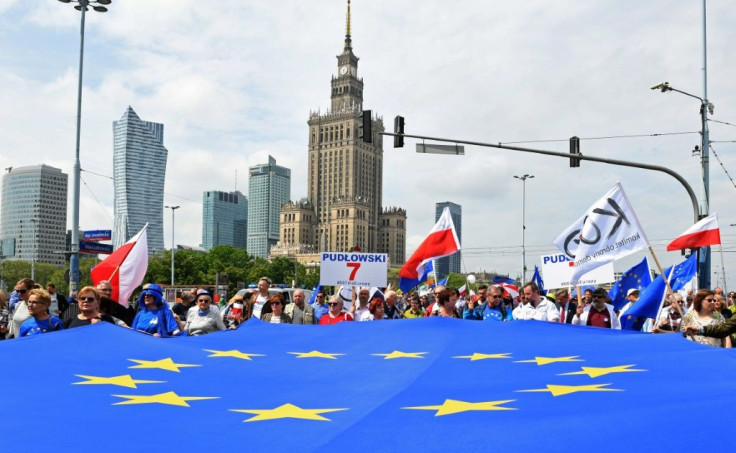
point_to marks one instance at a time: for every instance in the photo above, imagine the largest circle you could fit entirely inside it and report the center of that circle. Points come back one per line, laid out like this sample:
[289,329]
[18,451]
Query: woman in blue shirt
[155,317]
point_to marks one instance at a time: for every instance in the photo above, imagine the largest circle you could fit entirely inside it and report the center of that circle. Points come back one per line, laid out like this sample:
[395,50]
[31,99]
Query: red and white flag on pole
[702,234]
[441,241]
[125,268]
[462,291]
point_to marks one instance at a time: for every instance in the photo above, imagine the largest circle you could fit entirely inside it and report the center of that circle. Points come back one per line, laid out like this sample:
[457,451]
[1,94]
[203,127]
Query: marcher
[155,317]
[203,319]
[598,314]
[40,321]
[336,314]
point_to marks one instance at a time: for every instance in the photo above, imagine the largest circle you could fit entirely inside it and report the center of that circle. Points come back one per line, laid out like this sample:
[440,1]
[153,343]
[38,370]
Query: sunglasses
[275,303]
[333,304]
[87,299]
[320,297]
[21,291]
[204,300]
[496,297]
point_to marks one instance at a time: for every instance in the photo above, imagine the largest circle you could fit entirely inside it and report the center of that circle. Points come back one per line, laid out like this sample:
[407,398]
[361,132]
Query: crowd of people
[706,316]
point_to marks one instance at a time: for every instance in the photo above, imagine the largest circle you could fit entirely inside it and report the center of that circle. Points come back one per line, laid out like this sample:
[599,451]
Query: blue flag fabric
[684,272]
[652,296]
[537,278]
[242,385]
[637,277]
[406,284]
[499,279]
[443,282]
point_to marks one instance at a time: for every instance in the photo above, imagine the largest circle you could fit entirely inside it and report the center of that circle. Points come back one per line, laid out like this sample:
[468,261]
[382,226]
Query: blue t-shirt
[33,326]
[494,314]
[147,321]
[320,310]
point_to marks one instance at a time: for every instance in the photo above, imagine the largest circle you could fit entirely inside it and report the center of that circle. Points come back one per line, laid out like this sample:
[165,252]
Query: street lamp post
[705,108]
[173,209]
[523,224]
[82,6]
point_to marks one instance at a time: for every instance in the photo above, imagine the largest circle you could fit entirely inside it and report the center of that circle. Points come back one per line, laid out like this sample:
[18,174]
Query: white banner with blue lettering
[556,273]
[353,269]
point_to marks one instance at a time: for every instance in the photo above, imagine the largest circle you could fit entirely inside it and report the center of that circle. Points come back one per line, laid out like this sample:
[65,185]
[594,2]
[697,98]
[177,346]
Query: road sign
[94,247]
[97,235]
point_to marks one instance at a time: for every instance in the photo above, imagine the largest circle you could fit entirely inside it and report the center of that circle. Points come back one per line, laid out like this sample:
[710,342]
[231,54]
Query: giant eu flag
[431,384]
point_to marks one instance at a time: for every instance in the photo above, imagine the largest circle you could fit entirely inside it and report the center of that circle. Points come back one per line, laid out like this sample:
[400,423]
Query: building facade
[33,217]
[269,187]
[345,174]
[224,219]
[139,171]
[453,262]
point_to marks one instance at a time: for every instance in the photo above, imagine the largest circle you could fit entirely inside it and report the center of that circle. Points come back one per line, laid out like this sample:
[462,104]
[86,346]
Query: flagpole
[661,302]
[723,267]
[659,267]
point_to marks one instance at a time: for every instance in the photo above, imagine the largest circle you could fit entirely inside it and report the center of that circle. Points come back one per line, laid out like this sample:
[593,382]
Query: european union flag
[280,387]
[637,277]
[537,278]
[406,284]
[651,298]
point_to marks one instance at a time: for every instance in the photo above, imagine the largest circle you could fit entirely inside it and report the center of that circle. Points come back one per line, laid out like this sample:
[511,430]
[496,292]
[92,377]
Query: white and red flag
[513,290]
[441,241]
[125,268]
[702,234]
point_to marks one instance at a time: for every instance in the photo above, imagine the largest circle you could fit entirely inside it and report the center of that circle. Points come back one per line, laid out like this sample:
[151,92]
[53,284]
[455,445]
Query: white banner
[353,269]
[609,230]
[556,273]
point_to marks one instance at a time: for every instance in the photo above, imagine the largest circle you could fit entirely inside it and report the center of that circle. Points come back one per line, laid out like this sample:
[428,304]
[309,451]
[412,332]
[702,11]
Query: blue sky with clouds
[235,81]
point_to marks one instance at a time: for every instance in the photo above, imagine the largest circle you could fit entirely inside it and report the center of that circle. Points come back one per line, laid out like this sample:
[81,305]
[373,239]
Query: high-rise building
[139,170]
[33,219]
[269,186]
[453,262]
[345,176]
[224,219]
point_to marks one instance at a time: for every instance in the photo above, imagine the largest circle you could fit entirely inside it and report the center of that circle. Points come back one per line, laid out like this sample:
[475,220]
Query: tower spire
[347,30]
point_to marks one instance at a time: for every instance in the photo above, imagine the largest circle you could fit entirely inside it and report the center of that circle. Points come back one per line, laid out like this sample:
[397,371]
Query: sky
[234,82]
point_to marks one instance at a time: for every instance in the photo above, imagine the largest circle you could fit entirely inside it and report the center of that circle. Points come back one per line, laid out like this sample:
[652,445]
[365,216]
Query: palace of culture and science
[345,181]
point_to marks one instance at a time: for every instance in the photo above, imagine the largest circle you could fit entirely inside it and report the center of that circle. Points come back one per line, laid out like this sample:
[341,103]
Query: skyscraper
[33,219]
[345,178]
[224,219]
[139,170]
[269,186]
[450,263]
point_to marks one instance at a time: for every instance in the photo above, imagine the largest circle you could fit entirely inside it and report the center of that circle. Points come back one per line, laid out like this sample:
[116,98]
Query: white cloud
[235,82]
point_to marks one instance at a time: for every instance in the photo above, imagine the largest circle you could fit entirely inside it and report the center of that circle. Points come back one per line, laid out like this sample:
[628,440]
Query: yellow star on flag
[559,390]
[286,411]
[595,372]
[455,406]
[401,355]
[169,398]
[547,360]
[125,380]
[233,353]
[315,354]
[480,356]
[163,364]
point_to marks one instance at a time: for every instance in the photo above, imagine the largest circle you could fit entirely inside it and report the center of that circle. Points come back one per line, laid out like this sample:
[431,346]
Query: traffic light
[365,130]
[574,150]
[399,130]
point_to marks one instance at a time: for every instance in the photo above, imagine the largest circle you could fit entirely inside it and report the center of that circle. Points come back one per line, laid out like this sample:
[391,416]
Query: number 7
[355,267]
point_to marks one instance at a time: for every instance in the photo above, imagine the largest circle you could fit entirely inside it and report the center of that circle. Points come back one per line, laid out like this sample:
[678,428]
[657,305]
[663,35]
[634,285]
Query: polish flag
[703,233]
[513,290]
[441,241]
[125,268]
[462,291]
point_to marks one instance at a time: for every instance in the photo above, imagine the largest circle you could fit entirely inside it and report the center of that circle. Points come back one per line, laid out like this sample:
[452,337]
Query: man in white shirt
[631,295]
[361,312]
[537,307]
[262,297]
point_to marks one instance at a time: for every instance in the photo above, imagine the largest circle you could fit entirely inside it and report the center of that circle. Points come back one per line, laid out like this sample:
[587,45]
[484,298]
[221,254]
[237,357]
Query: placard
[556,270]
[353,269]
